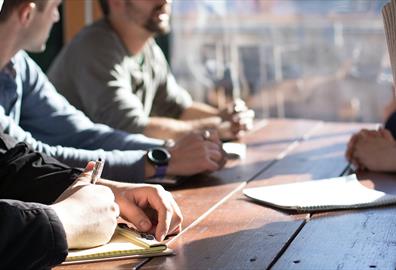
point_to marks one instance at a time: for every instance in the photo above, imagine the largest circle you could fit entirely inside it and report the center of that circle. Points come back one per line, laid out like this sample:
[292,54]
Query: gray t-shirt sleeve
[97,79]
[170,99]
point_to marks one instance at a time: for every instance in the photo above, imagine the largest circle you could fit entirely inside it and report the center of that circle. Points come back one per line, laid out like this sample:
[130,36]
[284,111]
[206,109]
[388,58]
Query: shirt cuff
[59,249]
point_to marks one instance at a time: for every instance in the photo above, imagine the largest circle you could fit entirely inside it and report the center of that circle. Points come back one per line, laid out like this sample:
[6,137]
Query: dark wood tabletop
[224,230]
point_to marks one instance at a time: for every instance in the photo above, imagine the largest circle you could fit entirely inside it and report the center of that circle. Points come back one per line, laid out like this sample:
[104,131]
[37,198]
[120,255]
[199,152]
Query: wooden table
[224,230]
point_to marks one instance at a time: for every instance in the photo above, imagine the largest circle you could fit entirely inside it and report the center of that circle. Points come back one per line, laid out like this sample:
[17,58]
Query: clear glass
[318,59]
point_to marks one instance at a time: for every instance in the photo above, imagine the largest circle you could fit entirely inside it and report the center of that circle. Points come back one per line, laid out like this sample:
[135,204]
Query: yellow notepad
[124,243]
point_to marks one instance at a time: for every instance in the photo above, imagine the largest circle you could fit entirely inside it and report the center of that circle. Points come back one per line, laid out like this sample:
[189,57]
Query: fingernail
[162,237]
[144,225]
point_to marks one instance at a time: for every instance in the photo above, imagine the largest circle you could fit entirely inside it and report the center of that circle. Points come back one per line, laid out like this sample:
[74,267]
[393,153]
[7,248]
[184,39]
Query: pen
[97,171]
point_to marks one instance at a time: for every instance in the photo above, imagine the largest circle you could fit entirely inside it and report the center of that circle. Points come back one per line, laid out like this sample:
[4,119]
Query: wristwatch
[159,157]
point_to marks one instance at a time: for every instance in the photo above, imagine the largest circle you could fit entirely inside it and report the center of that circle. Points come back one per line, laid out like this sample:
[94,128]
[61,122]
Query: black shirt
[32,236]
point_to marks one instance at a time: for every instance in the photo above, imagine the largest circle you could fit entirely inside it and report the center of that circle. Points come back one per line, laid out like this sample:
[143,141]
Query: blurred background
[311,59]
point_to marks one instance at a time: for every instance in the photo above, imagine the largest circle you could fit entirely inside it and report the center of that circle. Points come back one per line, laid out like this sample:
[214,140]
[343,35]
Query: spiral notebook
[125,243]
[328,194]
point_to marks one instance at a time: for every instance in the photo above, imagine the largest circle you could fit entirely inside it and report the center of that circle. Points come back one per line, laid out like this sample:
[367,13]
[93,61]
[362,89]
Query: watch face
[159,156]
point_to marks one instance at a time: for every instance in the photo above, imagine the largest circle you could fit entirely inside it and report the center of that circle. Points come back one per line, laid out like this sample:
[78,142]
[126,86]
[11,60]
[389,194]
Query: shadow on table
[323,162]
[235,174]
[244,249]
[385,182]
[311,138]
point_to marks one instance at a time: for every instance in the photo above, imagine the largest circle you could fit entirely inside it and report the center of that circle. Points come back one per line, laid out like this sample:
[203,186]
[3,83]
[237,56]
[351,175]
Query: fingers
[211,135]
[86,175]
[169,215]
[197,153]
[351,147]
[173,217]
[247,115]
[214,154]
[242,121]
[386,134]
[89,167]
[357,162]
[177,220]
[137,217]
[151,209]
[83,179]
[364,134]
[239,118]
[164,222]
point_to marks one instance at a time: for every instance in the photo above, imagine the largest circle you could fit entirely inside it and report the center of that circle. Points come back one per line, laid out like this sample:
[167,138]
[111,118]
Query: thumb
[137,217]
[87,173]
[89,167]
[386,134]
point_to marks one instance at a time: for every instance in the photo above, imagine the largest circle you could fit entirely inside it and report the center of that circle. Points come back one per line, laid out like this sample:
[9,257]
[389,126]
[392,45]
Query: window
[287,58]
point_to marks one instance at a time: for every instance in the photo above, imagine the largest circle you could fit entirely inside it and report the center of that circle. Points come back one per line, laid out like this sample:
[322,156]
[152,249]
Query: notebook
[126,243]
[235,150]
[328,194]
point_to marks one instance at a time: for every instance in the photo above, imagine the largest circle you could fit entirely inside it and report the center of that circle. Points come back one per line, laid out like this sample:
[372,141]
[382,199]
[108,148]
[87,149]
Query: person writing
[130,80]
[47,206]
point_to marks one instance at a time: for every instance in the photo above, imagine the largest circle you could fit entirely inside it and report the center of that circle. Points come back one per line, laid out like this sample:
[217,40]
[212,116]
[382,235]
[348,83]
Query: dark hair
[10,5]
[105,7]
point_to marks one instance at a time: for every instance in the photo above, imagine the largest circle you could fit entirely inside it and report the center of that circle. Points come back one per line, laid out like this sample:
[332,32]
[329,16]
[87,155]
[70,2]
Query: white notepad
[335,193]
[235,150]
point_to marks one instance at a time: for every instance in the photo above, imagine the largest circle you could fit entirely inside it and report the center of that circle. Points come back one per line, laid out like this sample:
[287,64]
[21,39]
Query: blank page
[334,193]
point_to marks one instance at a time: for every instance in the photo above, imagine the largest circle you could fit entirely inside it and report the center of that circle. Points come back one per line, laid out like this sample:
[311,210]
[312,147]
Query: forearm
[121,165]
[166,128]
[32,236]
[199,110]
[124,166]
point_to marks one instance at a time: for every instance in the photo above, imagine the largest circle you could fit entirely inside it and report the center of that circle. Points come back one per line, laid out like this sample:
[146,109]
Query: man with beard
[114,71]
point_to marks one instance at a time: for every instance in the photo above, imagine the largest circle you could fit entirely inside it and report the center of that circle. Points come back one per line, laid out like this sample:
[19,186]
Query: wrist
[60,212]
[158,158]
[223,114]
[149,169]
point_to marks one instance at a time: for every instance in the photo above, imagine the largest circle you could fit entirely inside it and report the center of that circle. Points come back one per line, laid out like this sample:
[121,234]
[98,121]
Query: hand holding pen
[99,218]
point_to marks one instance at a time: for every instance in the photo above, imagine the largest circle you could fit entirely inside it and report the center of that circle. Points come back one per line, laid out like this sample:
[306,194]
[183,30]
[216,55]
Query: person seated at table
[126,82]
[33,112]
[375,150]
[47,208]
